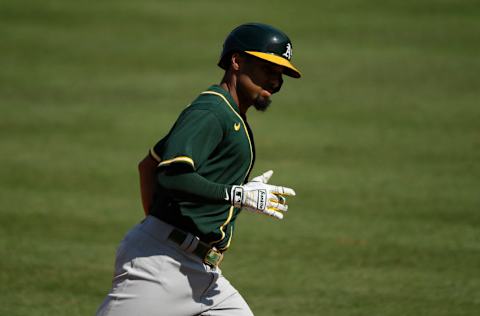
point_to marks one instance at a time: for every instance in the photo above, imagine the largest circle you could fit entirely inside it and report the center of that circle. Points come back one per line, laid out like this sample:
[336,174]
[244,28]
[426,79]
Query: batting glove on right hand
[259,197]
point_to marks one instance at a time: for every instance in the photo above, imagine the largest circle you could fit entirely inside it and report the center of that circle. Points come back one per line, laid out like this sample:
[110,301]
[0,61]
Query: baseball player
[194,184]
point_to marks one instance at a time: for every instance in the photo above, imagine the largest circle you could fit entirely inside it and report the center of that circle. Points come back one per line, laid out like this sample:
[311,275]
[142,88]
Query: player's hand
[260,197]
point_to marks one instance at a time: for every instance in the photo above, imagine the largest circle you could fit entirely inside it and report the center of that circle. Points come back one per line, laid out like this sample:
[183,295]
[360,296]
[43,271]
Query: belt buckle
[213,257]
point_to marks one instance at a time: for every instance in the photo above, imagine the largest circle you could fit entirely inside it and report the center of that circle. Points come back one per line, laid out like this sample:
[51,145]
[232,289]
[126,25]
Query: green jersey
[213,139]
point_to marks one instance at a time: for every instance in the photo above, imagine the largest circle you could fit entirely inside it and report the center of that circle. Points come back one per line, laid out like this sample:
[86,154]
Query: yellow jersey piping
[230,214]
[222,228]
[241,119]
[178,159]
[229,240]
[154,155]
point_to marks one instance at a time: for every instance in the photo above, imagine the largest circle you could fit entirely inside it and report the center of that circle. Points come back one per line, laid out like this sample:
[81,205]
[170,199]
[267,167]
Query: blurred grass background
[380,139]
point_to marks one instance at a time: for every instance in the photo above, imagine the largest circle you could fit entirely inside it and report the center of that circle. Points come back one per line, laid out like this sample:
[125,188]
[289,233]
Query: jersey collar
[218,89]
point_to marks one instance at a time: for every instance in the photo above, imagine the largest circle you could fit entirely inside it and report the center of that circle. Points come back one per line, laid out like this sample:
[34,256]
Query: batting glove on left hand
[260,197]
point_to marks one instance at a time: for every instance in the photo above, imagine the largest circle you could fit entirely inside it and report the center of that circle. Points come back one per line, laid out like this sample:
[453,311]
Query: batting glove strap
[237,196]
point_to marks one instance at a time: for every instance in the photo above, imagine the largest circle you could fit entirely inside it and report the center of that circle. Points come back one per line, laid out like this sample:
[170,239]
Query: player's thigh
[132,298]
[233,305]
[144,298]
[151,286]
[223,299]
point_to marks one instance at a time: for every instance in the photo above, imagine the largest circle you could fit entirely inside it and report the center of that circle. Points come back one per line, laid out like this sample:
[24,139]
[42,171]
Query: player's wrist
[236,195]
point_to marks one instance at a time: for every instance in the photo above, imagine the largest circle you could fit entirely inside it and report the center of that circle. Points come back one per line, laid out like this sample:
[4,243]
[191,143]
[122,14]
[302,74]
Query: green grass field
[380,139]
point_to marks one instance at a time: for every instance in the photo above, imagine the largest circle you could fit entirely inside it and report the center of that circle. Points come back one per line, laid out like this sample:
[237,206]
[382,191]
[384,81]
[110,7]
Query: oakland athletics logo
[288,52]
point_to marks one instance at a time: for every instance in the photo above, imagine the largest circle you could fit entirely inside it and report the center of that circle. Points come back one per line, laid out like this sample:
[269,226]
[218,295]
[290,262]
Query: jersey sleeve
[155,151]
[192,187]
[192,139]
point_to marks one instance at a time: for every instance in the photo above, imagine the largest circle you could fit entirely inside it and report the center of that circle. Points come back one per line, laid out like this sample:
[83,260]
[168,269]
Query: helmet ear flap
[224,61]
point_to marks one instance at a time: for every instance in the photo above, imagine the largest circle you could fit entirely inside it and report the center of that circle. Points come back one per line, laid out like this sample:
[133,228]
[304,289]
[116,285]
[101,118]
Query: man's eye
[268,69]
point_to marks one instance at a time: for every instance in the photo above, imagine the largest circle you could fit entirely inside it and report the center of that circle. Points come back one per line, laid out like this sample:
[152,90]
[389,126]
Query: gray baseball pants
[155,276]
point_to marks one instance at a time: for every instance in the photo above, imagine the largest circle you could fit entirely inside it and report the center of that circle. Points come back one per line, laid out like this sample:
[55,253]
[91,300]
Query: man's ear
[236,61]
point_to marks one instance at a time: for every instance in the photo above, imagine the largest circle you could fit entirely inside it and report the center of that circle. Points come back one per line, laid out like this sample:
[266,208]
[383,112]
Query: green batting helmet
[262,41]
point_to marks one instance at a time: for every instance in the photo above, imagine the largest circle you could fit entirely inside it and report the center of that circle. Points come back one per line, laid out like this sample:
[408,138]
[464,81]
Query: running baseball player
[194,184]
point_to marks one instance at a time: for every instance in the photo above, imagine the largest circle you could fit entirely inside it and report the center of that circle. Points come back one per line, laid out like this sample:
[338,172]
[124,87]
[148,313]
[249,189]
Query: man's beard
[262,103]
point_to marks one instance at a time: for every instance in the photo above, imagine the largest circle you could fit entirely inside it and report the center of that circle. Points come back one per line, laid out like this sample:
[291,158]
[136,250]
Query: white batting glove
[260,197]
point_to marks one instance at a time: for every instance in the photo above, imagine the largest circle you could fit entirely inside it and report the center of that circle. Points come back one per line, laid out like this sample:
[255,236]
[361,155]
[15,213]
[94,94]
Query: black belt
[209,255]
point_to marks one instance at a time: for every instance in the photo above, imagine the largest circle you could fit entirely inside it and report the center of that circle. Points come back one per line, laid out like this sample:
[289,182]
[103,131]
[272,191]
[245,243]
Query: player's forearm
[193,187]
[146,169]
